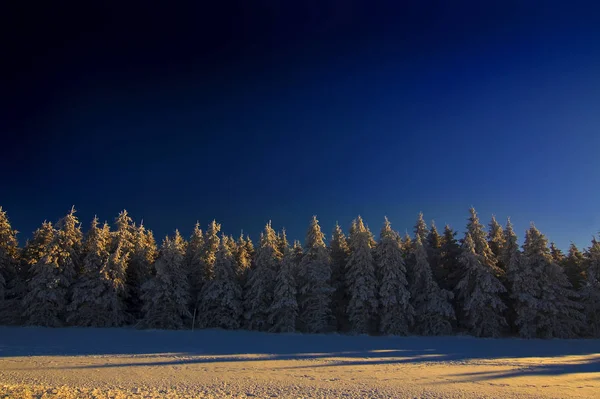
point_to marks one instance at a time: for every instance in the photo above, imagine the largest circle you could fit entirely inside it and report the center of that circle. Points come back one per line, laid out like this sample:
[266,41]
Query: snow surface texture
[40,362]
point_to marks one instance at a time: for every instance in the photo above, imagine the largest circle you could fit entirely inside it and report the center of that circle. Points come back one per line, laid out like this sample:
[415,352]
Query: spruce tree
[112,300]
[496,241]
[339,252]
[511,257]
[11,278]
[69,242]
[297,254]
[431,304]
[46,298]
[243,260]
[250,248]
[574,265]
[260,287]
[45,303]
[86,307]
[590,291]
[510,252]
[221,304]
[284,310]
[123,235]
[232,244]
[315,314]
[557,254]
[396,312]
[478,235]
[434,253]
[211,246]
[115,271]
[421,230]
[450,267]
[139,270]
[479,291]
[361,281]
[282,242]
[9,252]
[543,299]
[408,254]
[194,265]
[166,294]
[407,247]
[36,248]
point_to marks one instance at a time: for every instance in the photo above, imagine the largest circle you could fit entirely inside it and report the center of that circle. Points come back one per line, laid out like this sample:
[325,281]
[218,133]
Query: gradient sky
[251,111]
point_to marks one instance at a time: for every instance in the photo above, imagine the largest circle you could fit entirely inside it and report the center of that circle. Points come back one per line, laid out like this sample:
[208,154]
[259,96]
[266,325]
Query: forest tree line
[483,284]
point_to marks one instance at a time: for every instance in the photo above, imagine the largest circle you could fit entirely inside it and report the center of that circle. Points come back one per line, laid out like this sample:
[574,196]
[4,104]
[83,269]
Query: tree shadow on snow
[213,346]
[552,369]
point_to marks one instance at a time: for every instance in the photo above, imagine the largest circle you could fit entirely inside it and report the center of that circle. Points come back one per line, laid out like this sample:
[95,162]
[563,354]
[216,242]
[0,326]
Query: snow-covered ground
[123,363]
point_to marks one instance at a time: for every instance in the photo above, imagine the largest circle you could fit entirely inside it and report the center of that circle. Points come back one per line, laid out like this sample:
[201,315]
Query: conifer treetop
[421,229]
[314,236]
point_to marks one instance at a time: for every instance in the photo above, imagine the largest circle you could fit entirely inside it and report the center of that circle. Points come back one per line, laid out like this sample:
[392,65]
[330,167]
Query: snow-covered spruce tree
[510,252]
[284,310]
[575,264]
[112,299]
[315,314]
[298,254]
[450,268]
[166,294]
[408,254]
[194,265]
[221,304]
[361,281]
[139,270]
[200,259]
[45,303]
[97,294]
[590,291]
[421,229]
[11,278]
[395,311]
[261,282]
[86,307]
[557,255]
[477,232]
[479,291]
[32,253]
[112,302]
[69,240]
[496,241]
[339,252]
[46,299]
[120,252]
[250,249]
[407,246]
[434,253]
[211,246]
[9,253]
[37,247]
[123,235]
[511,257]
[433,311]
[233,247]
[542,295]
[282,242]
[243,260]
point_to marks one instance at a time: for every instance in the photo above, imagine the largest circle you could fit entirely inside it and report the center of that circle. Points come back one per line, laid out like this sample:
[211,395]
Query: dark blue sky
[251,111]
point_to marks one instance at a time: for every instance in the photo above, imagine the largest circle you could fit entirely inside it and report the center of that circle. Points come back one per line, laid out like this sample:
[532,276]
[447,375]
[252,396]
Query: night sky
[256,110]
